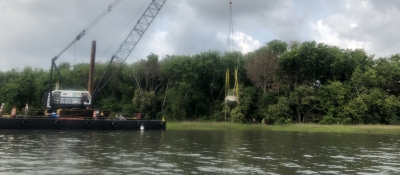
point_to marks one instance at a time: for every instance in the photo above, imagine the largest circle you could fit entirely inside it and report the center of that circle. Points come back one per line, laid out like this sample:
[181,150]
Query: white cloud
[241,42]
[366,24]
[325,33]
[159,45]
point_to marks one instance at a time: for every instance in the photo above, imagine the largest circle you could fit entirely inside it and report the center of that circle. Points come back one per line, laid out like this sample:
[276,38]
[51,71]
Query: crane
[77,38]
[125,49]
[81,99]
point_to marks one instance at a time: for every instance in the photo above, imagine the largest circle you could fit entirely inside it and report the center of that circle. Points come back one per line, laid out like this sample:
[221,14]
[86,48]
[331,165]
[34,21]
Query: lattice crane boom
[137,32]
[126,48]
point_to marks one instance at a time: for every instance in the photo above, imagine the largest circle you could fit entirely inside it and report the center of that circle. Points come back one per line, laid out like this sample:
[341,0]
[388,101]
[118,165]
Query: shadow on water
[196,152]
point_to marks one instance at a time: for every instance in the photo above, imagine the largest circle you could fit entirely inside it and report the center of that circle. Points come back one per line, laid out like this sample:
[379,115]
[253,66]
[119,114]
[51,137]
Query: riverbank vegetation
[277,85]
[298,127]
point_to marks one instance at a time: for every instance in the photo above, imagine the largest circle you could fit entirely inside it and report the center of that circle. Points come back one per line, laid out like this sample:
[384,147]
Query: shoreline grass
[367,129]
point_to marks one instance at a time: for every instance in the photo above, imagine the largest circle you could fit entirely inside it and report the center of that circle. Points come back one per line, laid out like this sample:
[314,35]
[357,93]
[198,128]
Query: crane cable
[230,49]
[90,26]
[123,30]
[231,46]
[95,21]
[137,31]
[98,18]
[103,70]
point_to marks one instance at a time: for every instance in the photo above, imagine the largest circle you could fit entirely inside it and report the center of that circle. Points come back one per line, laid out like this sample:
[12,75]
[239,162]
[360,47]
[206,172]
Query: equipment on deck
[82,100]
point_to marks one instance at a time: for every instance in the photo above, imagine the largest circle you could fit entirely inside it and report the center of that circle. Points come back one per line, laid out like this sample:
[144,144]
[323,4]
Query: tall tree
[260,68]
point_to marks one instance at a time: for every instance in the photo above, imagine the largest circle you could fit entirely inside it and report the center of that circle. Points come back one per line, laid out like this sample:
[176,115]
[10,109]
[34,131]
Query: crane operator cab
[68,99]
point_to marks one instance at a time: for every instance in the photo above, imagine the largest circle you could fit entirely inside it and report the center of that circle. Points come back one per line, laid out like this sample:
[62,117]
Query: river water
[197,152]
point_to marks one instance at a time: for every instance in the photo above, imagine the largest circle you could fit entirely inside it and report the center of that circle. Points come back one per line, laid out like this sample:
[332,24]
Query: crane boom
[77,38]
[137,32]
[90,26]
[67,98]
[132,39]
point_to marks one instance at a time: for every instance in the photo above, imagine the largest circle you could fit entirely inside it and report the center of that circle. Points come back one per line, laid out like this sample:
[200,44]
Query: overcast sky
[34,31]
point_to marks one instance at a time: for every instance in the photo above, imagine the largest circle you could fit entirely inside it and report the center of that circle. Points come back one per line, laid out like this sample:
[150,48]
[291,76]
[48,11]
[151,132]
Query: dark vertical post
[91,70]
[50,86]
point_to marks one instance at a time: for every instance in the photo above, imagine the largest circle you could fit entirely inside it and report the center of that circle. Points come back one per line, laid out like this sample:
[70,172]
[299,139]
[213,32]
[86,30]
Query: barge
[71,109]
[50,123]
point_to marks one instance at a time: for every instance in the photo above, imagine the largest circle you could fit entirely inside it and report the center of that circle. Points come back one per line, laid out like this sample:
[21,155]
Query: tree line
[277,85]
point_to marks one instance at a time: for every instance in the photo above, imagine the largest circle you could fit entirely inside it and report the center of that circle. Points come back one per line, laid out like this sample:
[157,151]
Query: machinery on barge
[72,109]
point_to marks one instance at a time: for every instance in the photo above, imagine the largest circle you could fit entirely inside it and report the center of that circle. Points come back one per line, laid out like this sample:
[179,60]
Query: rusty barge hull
[41,123]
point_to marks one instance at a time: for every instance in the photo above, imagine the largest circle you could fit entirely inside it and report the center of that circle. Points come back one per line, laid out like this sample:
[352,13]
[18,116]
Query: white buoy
[142,127]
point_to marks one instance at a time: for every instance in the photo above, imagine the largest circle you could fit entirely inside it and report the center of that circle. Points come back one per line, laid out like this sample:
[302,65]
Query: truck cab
[68,99]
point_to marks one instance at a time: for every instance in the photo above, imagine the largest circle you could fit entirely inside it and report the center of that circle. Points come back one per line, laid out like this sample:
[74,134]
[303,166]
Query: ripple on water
[164,152]
[329,172]
[209,169]
[130,163]
[388,149]
[192,155]
[388,169]
[224,161]
[166,165]
[146,170]
[207,158]
[336,167]
[379,156]
[205,162]
[306,172]
[265,158]
[69,155]
[345,158]
[260,158]
[73,140]
[251,170]
[291,165]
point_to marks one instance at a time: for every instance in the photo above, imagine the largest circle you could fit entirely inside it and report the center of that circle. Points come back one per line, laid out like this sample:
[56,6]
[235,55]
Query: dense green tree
[178,102]
[304,102]
[334,96]
[276,84]
[279,113]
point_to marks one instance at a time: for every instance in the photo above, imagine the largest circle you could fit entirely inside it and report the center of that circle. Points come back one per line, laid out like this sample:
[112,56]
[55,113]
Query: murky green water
[197,152]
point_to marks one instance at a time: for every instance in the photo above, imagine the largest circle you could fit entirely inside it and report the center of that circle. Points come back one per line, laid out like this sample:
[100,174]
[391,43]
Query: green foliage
[304,101]
[178,99]
[276,84]
[355,110]
[333,99]
[382,108]
[144,102]
[277,46]
[363,80]
[237,116]
[279,113]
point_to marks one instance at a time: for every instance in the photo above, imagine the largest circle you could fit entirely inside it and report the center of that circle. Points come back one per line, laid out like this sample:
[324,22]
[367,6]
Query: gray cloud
[32,32]
[370,24]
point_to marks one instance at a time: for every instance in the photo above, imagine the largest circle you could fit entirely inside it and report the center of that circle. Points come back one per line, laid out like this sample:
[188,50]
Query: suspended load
[231,99]
[231,95]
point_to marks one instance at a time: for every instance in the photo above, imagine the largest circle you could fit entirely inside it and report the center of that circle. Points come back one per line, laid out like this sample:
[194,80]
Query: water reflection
[196,152]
